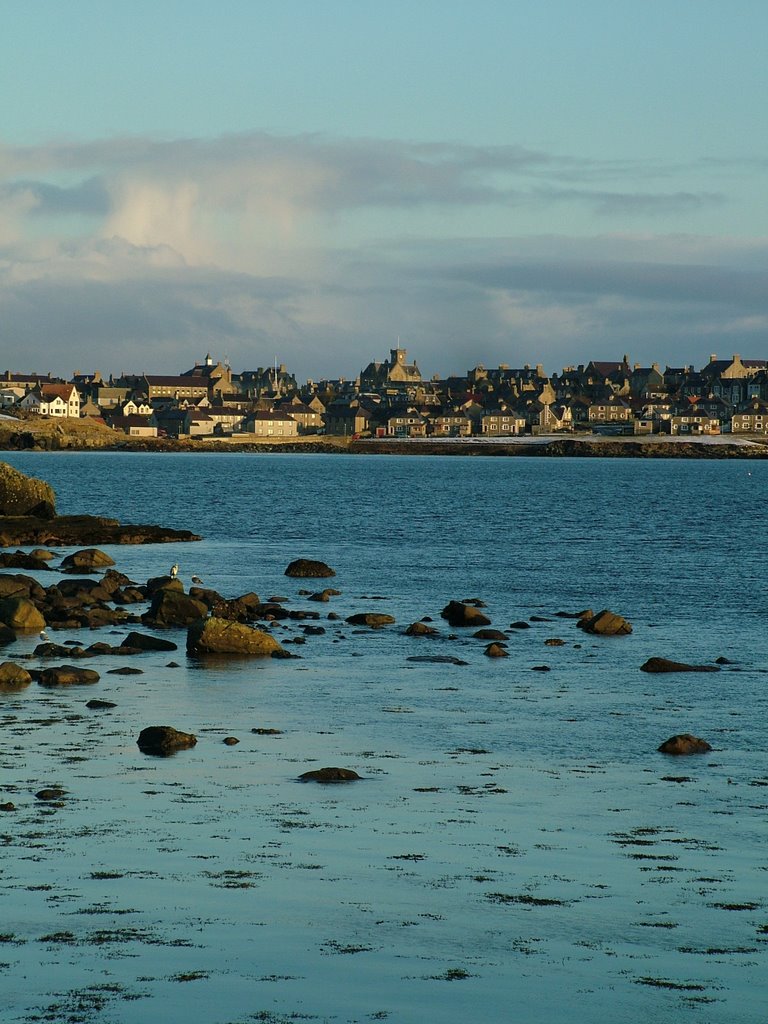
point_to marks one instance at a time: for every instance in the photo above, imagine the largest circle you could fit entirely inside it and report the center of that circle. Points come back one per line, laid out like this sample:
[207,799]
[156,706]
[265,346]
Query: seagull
[44,636]
[197,580]
[174,571]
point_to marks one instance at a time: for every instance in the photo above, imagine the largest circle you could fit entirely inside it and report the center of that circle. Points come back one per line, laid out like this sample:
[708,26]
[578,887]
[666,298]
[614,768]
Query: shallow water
[517,851]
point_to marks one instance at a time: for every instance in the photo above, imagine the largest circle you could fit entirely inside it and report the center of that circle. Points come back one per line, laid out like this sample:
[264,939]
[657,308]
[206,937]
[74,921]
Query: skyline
[504,183]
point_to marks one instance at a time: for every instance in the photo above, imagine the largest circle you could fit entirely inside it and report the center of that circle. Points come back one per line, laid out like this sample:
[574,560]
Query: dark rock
[684,744]
[77,530]
[723,661]
[459,613]
[100,705]
[490,634]
[7,635]
[21,560]
[13,677]
[8,806]
[313,630]
[540,668]
[52,650]
[587,613]
[22,495]
[554,641]
[172,608]
[148,643]
[231,740]
[664,665]
[539,618]
[125,670]
[19,585]
[267,732]
[88,559]
[67,675]
[605,623]
[329,775]
[374,620]
[305,568]
[439,659]
[164,740]
[420,629]
[521,624]
[52,793]
[163,583]
[222,636]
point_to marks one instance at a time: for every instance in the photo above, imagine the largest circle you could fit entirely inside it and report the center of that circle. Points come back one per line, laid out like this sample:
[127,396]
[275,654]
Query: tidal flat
[516,849]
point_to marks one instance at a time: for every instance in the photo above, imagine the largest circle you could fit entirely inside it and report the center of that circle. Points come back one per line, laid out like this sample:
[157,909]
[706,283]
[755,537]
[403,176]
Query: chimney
[713,357]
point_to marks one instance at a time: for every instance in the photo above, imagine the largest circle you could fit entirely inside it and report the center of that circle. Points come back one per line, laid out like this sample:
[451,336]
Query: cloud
[153,252]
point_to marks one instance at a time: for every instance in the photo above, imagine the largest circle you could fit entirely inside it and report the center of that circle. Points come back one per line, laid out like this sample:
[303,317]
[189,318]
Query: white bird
[174,571]
[44,636]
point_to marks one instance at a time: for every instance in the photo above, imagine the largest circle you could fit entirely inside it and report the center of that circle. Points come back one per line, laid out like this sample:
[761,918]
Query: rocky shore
[28,516]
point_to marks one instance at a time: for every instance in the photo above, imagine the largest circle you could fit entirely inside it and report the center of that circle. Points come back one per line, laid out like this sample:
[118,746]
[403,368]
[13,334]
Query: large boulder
[19,585]
[605,623]
[163,583]
[87,560]
[460,614]
[164,740]
[305,568]
[172,608]
[684,744]
[224,636]
[664,665]
[18,613]
[420,629]
[22,495]
[67,675]
[13,677]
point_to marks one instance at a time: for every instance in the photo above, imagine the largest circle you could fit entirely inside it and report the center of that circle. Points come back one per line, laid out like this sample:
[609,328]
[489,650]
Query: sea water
[518,850]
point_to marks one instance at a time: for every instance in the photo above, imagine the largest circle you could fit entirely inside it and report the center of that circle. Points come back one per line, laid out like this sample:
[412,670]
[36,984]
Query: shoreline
[78,436]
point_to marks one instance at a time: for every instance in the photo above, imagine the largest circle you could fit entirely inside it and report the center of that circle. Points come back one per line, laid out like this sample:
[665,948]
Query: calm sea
[517,851]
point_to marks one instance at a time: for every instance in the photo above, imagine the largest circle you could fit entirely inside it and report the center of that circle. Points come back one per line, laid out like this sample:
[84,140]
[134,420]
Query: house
[450,424]
[687,418]
[310,421]
[275,424]
[751,419]
[395,370]
[61,400]
[134,425]
[502,423]
[407,424]
[610,410]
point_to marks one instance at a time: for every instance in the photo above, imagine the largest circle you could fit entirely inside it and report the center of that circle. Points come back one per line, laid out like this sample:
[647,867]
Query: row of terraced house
[391,398]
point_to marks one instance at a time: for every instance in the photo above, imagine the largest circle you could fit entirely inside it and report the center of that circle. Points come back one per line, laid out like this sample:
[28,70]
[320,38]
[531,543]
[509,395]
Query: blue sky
[488,181]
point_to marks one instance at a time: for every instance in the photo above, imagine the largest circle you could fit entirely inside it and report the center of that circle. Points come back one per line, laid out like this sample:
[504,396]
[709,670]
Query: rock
[52,793]
[21,560]
[587,613]
[7,636]
[322,595]
[458,613]
[374,620]
[13,677]
[420,629]
[605,623]
[540,668]
[163,583]
[495,651]
[231,740]
[305,568]
[19,614]
[684,744]
[19,585]
[267,732]
[438,659]
[664,665]
[22,495]
[100,705]
[521,624]
[164,740]
[554,641]
[67,675]
[148,643]
[85,530]
[88,559]
[490,634]
[126,670]
[723,661]
[330,775]
[222,636]
[8,806]
[172,608]
[42,554]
